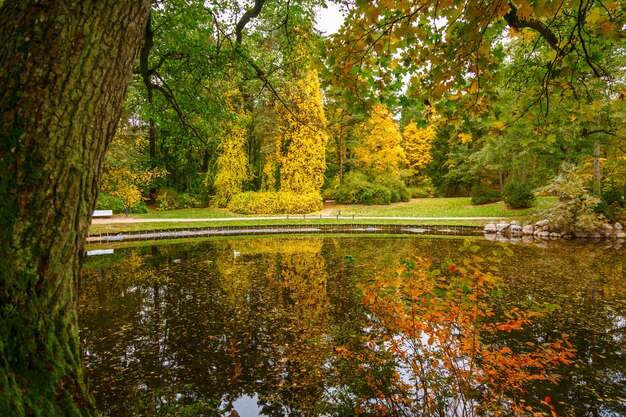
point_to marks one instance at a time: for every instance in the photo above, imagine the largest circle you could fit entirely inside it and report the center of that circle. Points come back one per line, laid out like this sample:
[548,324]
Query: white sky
[329,20]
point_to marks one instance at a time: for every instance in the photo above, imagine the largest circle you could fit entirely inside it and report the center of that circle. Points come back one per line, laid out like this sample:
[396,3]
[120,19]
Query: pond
[305,326]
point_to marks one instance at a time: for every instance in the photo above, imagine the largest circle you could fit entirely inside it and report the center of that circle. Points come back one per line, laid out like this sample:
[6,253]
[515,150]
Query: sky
[329,20]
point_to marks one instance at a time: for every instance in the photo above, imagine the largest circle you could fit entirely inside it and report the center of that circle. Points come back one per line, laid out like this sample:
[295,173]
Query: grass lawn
[446,207]
[191,213]
[427,207]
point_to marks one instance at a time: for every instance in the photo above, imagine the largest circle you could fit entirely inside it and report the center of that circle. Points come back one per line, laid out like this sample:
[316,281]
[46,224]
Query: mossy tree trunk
[64,68]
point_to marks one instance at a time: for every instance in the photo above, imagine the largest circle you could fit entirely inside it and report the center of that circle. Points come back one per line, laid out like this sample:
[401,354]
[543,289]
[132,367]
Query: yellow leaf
[474,88]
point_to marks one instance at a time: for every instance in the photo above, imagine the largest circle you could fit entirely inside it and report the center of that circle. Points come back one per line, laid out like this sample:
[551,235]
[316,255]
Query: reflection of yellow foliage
[285,246]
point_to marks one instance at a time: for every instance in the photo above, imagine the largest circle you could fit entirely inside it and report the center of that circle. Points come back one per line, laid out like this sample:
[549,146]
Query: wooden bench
[102,213]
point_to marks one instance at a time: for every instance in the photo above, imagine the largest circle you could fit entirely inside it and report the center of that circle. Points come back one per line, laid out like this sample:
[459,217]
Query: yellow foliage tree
[125,175]
[380,150]
[301,138]
[418,143]
[232,164]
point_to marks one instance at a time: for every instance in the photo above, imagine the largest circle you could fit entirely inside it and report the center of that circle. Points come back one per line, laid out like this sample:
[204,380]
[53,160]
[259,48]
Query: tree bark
[64,68]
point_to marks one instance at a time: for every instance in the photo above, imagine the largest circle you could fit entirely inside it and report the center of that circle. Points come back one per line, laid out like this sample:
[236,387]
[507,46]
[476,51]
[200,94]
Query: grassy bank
[427,208]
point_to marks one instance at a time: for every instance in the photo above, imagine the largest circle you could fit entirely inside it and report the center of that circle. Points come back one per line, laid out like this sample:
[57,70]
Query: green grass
[191,213]
[445,207]
[425,207]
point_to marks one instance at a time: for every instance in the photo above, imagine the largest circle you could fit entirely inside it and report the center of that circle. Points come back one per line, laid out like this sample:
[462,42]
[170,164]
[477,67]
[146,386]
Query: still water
[259,326]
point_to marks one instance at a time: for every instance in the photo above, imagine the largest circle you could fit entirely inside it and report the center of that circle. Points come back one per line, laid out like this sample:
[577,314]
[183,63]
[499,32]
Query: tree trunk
[341,154]
[597,184]
[64,68]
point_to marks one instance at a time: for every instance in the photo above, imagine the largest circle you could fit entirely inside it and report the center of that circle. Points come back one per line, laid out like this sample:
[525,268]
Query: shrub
[170,199]
[358,188]
[166,199]
[140,208]
[108,202]
[186,200]
[484,195]
[396,187]
[577,209]
[272,202]
[612,204]
[518,194]
[375,194]
[614,196]
[349,192]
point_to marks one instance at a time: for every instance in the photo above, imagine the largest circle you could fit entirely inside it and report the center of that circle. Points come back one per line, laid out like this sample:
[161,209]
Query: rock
[528,229]
[579,234]
[620,234]
[543,234]
[502,227]
[516,229]
[514,223]
[618,226]
[490,228]
[607,227]
[542,223]
[555,235]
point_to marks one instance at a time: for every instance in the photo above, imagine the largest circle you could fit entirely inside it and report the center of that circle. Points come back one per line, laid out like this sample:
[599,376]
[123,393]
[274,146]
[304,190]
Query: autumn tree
[380,151]
[301,137]
[458,47]
[417,146]
[233,169]
[127,174]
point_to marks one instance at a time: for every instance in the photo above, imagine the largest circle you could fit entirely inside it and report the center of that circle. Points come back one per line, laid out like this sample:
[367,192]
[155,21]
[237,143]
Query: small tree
[577,207]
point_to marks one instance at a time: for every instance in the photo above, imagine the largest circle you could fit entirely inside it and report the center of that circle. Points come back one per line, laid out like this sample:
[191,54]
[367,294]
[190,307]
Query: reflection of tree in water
[588,282]
[190,328]
[218,328]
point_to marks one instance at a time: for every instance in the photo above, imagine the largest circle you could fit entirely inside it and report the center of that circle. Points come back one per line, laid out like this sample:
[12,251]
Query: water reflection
[192,330]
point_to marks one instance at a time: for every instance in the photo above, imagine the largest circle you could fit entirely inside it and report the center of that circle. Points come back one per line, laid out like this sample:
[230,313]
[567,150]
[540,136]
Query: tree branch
[514,21]
[246,18]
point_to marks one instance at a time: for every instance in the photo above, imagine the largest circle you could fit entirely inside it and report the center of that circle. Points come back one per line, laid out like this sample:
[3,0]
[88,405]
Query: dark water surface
[213,326]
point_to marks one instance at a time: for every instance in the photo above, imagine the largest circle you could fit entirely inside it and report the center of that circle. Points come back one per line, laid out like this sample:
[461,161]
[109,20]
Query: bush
[484,195]
[577,209]
[396,187]
[170,199]
[140,208]
[614,196]
[271,202]
[107,202]
[358,188]
[375,194]
[518,195]
[186,200]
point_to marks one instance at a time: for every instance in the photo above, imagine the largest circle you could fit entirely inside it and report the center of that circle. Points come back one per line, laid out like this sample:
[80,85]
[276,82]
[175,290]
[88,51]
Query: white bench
[102,213]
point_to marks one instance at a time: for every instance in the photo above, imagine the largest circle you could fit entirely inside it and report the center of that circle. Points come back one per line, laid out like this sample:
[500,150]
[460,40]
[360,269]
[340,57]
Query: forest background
[398,103]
